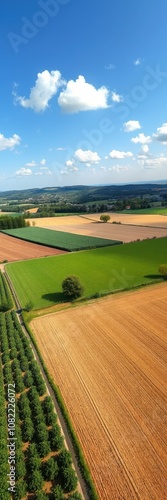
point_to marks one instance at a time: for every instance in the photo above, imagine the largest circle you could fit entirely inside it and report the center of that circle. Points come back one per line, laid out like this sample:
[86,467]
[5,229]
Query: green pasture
[59,239]
[147,211]
[101,271]
[10,214]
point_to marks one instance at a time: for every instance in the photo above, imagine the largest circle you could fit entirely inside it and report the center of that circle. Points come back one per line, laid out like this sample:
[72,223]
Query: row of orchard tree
[40,453]
[5,296]
[9,222]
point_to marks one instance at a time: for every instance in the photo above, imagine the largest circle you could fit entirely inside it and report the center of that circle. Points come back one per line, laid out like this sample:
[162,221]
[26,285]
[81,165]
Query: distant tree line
[50,210]
[134,204]
[9,222]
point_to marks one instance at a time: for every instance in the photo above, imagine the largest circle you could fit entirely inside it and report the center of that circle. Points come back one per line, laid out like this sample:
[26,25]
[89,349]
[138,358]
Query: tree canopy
[72,288]
[105,217]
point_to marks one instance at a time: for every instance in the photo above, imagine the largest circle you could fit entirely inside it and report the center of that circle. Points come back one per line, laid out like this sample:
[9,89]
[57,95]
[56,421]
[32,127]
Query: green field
[101,270]
[10,214]
[58,239]
[151,211]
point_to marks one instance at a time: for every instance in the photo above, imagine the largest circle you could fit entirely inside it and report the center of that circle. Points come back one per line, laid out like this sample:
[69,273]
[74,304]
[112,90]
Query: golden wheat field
[126,232]
[136,219]
[109,359]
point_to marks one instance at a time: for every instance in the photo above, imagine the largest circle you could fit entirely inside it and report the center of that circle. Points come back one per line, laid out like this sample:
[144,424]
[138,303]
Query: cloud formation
[131,125]
[119,154]
[9,143]
[118,168]
[23,172]
[116,97]
[137,62]
[69,163]
[141,139]
[46,86]
[31,164]
[153,163]
[82,96]
[161,134]
[145,148]
[43,162]
[87,156]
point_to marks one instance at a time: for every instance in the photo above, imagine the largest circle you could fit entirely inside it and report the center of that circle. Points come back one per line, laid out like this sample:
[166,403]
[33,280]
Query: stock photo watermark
[11,438]
[30,27]
[153,77]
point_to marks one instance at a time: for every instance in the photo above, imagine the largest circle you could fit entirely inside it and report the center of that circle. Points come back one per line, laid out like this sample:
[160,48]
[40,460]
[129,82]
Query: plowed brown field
[109,360]
[88,227]
[12,249]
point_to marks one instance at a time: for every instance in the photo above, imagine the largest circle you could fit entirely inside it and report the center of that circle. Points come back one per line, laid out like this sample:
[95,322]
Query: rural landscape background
[83,250]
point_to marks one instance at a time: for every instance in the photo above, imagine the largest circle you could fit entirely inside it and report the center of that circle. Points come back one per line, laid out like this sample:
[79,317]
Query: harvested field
[12,249]
[109,360]
[119,232]
[136,219]
[32,210]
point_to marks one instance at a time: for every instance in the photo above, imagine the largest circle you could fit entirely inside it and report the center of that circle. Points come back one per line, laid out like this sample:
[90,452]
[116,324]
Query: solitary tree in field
[105,217]
[163,270]
[72,288]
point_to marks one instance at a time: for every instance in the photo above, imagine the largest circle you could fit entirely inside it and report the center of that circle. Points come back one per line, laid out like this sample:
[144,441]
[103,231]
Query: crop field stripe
[14,249]
[153,211]
[101,271]
[59,239]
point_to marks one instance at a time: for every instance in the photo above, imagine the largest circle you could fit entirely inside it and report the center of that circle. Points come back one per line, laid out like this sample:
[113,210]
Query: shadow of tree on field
[155,276]
[54,297]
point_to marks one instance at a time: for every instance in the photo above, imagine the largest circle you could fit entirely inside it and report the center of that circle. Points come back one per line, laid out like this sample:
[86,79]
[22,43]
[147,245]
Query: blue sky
[83,92]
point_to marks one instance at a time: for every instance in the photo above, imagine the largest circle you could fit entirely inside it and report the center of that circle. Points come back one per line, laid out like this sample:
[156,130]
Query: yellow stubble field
[126,231]
[109,360]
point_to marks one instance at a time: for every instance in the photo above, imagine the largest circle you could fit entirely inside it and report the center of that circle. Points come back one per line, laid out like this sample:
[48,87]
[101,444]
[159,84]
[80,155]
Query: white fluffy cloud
[116,97]
[87,156]
[46,86]
[145,148]
[131,125]
[31,164]
[82,96]
[9,143]
[161,134]
[141,139]
[119,154]
[24,171]
[69,163]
